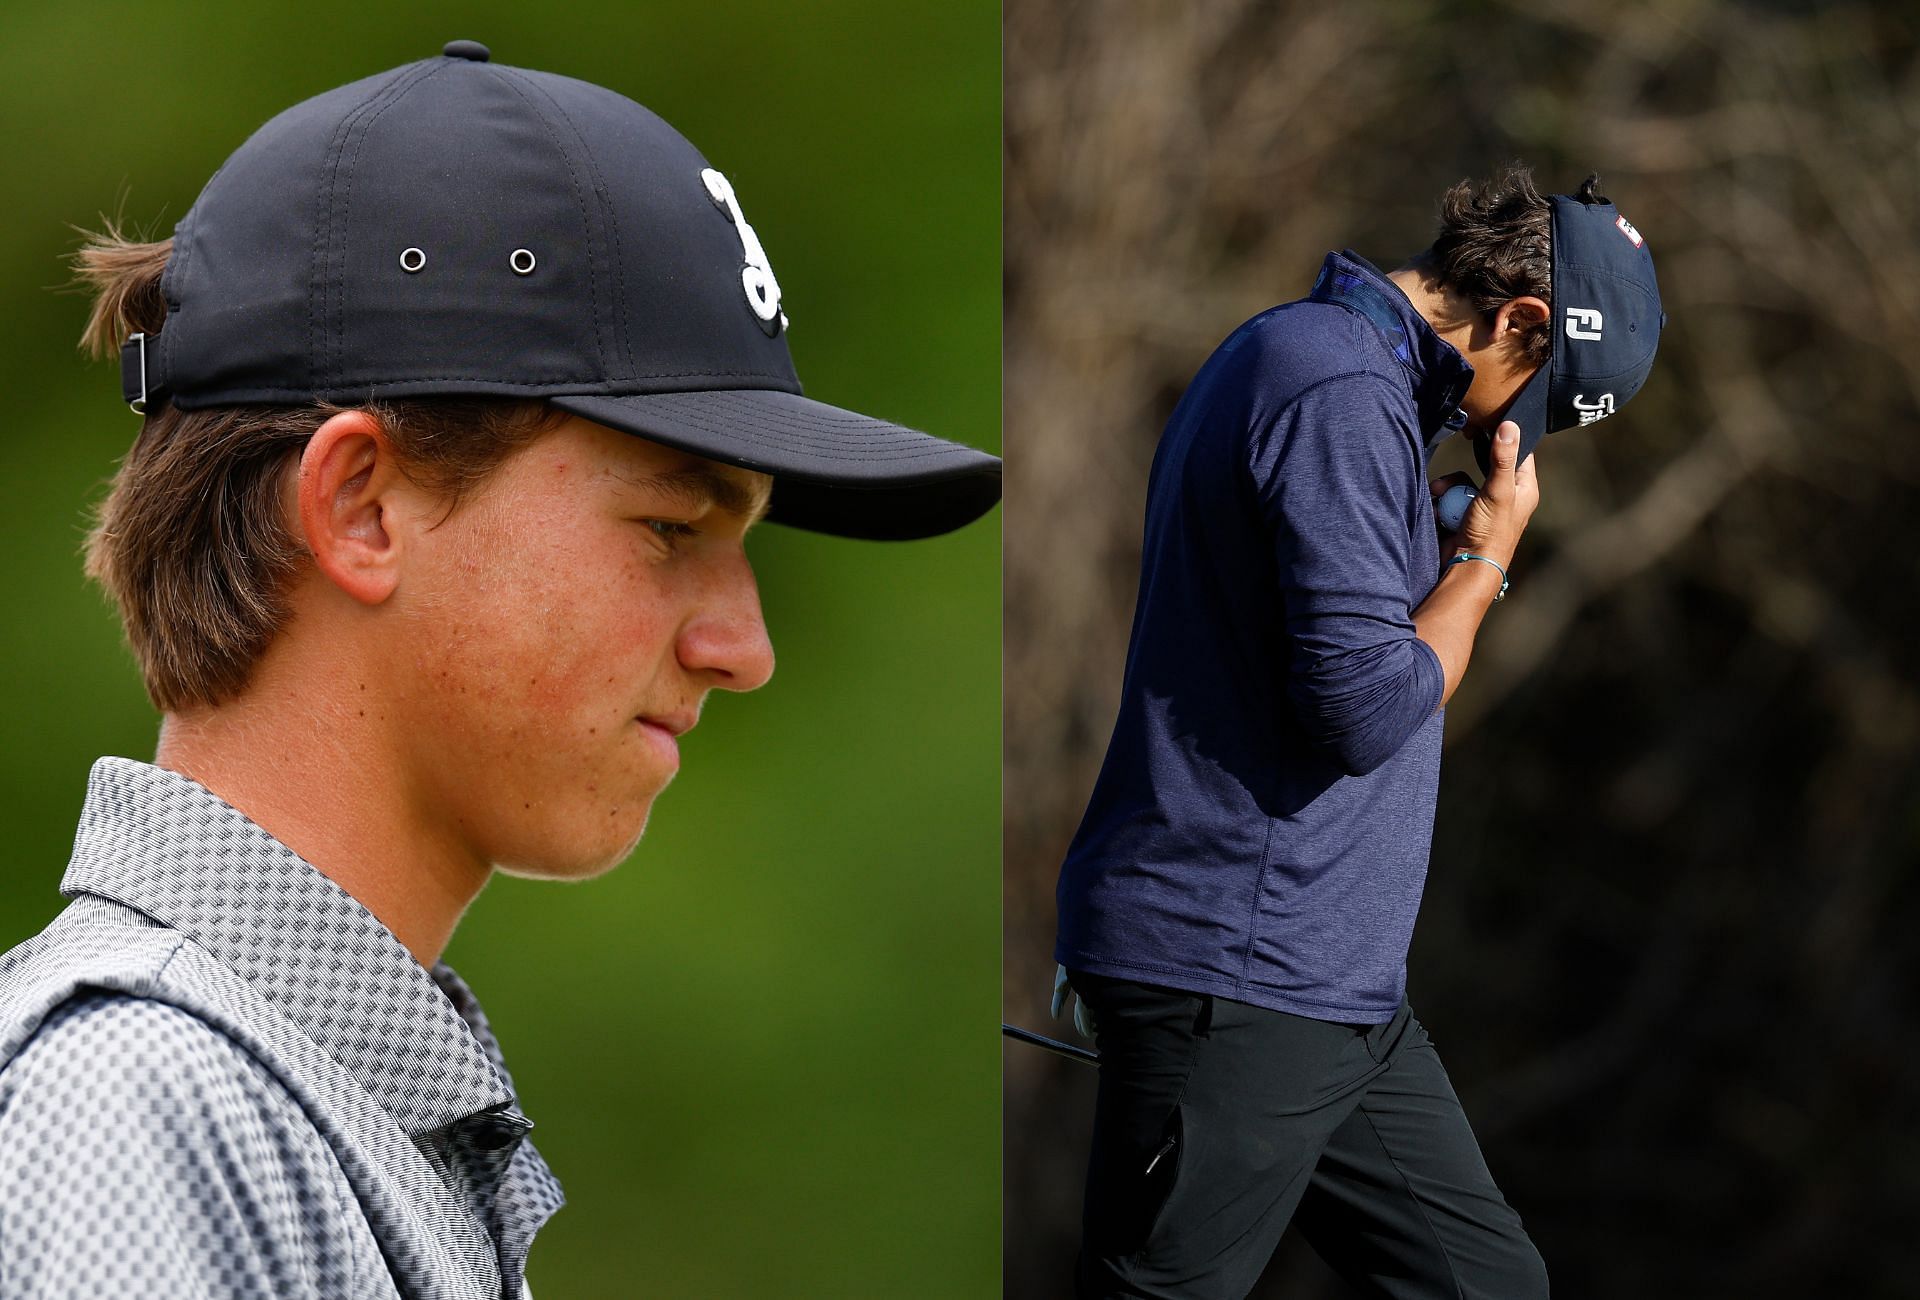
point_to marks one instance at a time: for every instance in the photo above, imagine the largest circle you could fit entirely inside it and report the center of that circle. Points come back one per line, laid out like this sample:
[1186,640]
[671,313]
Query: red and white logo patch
[1626,228]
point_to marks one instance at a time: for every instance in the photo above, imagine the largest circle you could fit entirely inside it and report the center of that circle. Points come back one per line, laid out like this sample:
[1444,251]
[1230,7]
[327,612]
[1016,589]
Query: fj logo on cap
[1598,409]
[1626,228]
[1583,323]
[763,291]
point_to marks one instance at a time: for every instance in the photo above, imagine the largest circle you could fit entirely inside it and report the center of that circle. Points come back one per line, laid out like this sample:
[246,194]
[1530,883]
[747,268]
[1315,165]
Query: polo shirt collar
[165,845]
[1438,373]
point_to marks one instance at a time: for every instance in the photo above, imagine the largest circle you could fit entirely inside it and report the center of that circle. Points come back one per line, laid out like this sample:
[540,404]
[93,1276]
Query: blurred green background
[760,1055]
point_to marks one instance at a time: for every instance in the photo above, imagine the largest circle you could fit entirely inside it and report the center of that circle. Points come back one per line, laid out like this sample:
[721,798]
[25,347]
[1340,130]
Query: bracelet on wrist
[1469,555]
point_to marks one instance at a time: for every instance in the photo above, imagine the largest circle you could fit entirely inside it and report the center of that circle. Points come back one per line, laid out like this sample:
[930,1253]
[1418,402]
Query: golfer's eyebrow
[698,486]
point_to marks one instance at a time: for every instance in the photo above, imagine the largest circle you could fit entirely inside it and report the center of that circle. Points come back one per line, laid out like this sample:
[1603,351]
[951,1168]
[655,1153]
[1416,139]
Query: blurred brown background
[1667,948]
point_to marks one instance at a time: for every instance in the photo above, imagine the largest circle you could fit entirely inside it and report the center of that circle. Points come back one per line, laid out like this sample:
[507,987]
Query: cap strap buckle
[133,374]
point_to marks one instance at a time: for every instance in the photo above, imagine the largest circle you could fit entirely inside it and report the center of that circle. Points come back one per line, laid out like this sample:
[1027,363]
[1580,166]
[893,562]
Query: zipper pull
[1158,1155]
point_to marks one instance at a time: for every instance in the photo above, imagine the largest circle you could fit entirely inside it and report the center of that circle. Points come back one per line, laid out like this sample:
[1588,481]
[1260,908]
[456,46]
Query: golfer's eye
[671,531]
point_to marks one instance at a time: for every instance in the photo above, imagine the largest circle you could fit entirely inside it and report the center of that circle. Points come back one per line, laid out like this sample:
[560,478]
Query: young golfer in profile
[1236,907]
[462,386]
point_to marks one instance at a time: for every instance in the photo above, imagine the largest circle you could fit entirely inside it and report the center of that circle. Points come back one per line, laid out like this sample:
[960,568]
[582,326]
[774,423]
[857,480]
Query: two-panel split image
[1116,649]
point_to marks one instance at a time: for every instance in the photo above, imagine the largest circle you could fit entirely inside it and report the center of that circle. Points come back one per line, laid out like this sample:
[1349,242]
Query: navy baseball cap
[1607,322]
[459,227]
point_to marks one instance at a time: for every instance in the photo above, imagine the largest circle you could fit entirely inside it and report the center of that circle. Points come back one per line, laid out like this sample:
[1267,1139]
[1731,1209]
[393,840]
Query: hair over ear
[192,542]
[1496,244]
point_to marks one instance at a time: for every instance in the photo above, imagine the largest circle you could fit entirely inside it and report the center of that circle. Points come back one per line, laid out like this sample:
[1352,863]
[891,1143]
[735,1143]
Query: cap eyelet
[412,260]
[521,260]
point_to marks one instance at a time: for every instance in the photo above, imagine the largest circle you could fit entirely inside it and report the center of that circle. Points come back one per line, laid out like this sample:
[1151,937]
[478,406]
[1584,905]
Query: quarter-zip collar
[1436,372]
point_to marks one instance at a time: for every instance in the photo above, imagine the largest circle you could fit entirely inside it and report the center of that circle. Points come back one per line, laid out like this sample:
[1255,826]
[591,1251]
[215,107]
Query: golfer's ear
[1519,315]
[344,492]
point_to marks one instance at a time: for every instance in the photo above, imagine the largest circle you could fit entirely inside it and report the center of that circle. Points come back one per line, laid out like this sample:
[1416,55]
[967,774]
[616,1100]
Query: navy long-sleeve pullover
[1261,825]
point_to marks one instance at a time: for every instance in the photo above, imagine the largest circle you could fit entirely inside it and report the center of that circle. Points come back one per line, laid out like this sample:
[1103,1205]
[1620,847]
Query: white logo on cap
[1598,409]
[1626,228]
[763,291]
[1583,323]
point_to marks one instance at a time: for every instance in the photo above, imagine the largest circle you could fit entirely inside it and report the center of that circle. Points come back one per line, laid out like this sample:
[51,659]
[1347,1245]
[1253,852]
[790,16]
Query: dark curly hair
[1496,244]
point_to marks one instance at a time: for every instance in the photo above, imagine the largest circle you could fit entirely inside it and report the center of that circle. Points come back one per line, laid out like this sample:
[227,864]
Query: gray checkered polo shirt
[221,1076]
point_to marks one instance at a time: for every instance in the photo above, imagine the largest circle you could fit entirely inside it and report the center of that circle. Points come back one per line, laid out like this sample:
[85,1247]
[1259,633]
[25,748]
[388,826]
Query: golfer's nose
[726,641]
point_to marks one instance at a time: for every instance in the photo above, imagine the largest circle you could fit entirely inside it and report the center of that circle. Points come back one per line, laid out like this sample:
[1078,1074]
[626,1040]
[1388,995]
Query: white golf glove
[1082,1013]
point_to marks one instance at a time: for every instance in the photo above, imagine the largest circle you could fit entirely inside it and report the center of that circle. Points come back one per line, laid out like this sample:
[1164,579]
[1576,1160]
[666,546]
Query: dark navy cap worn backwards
[1607,322]
[459,227]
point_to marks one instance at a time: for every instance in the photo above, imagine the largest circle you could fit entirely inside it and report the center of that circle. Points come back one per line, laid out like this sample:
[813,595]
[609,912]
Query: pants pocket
[1385,1039]
[1161,1176]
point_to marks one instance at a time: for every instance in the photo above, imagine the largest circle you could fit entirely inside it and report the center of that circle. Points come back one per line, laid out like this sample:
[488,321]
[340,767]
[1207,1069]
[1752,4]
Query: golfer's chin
[590,845]
[1478,437]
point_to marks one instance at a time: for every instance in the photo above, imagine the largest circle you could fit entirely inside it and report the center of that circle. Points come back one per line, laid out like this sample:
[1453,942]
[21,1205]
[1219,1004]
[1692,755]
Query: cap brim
[834,471]
[1529,411]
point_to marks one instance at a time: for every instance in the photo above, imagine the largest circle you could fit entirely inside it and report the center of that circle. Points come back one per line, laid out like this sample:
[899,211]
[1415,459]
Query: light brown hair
[193,542]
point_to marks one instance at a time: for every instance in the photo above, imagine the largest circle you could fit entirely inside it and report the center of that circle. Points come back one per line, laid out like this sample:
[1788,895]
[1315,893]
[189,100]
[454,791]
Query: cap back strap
[140,372]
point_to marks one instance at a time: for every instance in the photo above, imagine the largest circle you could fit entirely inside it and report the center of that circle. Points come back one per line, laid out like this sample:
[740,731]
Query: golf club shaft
[1068,1050]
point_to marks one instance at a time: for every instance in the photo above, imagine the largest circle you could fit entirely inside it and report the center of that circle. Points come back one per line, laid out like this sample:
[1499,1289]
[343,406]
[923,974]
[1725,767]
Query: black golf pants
[1218,1123]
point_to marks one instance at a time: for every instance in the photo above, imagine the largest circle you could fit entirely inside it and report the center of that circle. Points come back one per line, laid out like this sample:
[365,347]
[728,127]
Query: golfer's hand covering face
[1498,515]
